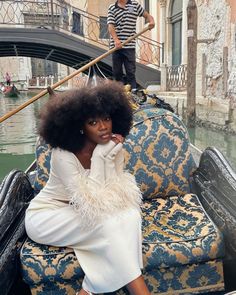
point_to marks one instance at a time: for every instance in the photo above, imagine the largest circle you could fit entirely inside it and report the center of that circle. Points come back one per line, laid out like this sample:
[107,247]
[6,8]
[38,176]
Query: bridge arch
[63,48]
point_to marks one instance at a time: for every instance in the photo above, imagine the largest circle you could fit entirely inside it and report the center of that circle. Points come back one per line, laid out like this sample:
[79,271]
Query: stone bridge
[63,48]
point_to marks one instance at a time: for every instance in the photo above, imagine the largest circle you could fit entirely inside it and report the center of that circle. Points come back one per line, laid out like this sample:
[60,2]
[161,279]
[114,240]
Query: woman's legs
[138,287]
[83,292]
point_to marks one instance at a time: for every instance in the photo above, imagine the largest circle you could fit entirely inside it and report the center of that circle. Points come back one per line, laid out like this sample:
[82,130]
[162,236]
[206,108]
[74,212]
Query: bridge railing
[59,15]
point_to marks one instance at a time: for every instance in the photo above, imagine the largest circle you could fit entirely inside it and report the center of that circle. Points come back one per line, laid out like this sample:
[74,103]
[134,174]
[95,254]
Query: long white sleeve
[93,199]
[97,169]
[119,162]
[110,167]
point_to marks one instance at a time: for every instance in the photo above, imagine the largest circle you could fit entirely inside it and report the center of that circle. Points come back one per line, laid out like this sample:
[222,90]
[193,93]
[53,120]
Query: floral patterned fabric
[182,248]
[158,153]
[176,231]
[179,250]
[43,156]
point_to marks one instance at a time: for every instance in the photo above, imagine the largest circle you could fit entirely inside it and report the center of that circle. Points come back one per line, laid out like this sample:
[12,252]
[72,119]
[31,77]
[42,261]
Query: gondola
[11,91]
[189,214]
[18,188]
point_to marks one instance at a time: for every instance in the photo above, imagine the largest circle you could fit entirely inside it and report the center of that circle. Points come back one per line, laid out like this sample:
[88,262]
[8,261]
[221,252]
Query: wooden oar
[80,70]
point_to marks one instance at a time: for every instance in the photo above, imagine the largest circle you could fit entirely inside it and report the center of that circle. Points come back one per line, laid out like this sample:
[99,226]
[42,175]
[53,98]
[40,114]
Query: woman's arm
[90,197]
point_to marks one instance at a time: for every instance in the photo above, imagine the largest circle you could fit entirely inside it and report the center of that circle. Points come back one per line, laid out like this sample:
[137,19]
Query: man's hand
[150,20]
[118,44]
[151,25]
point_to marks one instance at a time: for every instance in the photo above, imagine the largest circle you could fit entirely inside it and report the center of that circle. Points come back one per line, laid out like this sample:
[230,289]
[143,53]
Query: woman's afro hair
[64,115]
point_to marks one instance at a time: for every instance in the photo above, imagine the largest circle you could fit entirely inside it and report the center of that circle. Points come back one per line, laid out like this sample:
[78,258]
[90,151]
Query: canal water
[18,135]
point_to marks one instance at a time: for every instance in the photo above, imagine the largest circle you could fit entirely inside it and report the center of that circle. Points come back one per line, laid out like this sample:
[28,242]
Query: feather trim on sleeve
[94,201]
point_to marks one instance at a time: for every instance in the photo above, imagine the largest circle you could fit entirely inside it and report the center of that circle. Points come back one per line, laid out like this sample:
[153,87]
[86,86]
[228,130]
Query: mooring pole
[192,63]
[52,15]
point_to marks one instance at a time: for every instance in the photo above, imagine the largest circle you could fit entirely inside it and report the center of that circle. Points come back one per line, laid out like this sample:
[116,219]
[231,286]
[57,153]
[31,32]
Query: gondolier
[8,79]
[121,20]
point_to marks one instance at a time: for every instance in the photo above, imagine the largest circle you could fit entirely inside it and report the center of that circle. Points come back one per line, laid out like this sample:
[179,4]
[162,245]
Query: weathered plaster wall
[232,4]
[18,68]
[215,89]
[212,26]
[97,9]
[232,54]
[215,78]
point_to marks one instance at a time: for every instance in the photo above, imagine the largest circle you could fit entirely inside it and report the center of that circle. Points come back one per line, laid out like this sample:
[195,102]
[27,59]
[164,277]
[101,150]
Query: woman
[89,203]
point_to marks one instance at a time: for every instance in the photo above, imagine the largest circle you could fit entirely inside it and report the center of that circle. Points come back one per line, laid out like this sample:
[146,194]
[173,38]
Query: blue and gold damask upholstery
[158,153]
[182,248]
[43,156]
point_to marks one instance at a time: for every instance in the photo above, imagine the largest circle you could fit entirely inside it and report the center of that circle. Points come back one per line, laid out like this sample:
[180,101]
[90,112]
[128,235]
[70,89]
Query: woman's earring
[81,131]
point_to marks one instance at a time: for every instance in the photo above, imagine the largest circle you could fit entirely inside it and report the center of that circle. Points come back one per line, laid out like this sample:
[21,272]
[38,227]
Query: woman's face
[98,130]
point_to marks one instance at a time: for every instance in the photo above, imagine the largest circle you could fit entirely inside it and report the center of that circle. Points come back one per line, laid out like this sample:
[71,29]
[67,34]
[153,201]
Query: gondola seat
[182,248]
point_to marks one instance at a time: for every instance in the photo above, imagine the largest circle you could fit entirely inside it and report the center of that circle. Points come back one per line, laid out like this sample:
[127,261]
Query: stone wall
[18,68]
[212,38]
[216,62]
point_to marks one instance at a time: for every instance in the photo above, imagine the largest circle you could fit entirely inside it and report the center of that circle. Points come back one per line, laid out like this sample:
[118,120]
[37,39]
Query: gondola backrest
[158,153]
[43,156]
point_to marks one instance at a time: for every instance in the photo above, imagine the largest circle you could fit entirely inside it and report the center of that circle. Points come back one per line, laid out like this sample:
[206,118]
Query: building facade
[202,29]
[214,44]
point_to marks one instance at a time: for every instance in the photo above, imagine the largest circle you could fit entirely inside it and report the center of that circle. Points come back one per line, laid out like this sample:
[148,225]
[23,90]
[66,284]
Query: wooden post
[225,71]
[192,62]
[52,15]
[204,76]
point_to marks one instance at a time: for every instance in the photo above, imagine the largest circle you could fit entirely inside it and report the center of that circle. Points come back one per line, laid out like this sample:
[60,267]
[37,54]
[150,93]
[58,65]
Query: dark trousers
[126,58]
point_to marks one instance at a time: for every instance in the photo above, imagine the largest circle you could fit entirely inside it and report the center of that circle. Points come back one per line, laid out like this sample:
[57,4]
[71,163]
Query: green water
[226,143]
[18,135]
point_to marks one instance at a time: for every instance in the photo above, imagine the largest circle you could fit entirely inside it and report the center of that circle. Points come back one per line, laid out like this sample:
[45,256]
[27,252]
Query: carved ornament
[162,3]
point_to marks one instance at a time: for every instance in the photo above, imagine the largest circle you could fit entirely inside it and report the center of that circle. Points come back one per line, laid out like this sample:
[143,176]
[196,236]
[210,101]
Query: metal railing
[59,15]
[177,78]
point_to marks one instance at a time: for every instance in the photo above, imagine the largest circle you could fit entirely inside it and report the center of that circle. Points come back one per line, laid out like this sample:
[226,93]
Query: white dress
[101,224]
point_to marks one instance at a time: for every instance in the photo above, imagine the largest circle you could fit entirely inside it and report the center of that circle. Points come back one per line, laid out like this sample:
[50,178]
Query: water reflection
[18,135]
[226,143]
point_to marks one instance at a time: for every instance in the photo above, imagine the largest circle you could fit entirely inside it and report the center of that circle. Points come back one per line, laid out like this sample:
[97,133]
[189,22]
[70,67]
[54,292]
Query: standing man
[8,79]
[121,19]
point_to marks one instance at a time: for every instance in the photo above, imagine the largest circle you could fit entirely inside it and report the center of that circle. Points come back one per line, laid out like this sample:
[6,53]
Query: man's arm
[112,32]
[149,19]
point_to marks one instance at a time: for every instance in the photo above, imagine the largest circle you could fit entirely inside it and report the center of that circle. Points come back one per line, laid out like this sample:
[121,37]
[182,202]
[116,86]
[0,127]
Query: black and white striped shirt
[124,20]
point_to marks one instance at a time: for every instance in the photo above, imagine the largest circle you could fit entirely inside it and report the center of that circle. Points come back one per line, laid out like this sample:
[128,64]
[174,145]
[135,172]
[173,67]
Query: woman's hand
[113,153]
[102,150]
[110,156]
[117,138]
[119,159]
